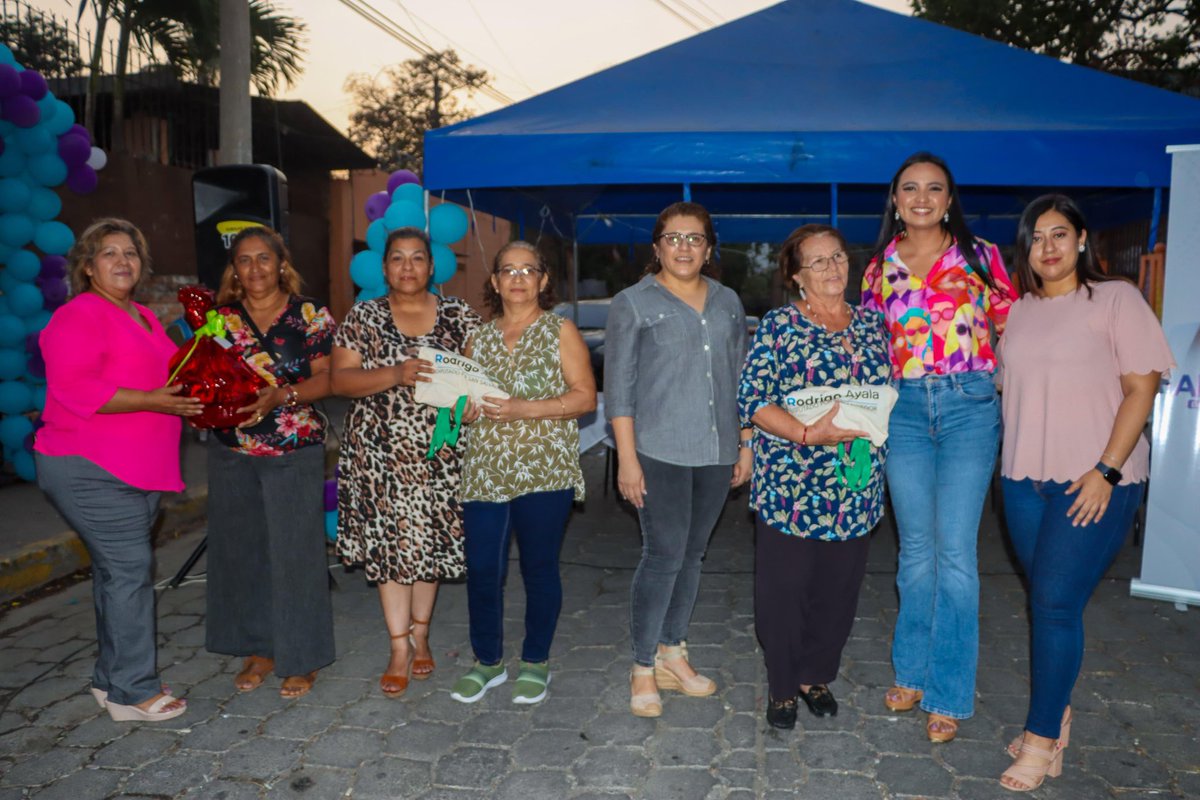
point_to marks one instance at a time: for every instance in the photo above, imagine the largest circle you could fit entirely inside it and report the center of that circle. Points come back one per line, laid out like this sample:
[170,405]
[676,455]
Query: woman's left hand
[1092,501]
[509,409]
[471,412]
[743,467]
[269,399]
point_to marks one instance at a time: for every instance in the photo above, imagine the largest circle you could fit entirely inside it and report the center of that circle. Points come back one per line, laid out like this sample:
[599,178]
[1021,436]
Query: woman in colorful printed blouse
[268,585]
[398,511]
[107,448]
[1082,355]
[673,350]
[811,522]
[942,291]
[521,468]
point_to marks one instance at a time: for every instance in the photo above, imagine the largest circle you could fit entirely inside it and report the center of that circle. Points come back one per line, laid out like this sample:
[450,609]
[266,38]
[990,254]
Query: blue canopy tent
[802,112]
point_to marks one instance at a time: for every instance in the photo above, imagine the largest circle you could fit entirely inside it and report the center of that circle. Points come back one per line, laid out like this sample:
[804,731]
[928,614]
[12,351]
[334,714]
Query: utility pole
[235,83]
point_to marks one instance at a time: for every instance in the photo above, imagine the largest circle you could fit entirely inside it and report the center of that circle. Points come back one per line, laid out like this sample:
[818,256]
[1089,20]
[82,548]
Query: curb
[58,556]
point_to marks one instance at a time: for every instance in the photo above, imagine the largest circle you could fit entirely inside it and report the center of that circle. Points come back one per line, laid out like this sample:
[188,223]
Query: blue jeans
[539,520]
[944,433]
[680,509]
[1063,565]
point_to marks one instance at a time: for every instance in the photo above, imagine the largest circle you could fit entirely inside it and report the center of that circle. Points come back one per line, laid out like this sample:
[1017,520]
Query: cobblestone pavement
[1135,736]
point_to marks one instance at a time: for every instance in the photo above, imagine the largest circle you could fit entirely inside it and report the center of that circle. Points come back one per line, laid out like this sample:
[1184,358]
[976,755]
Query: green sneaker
[532,681]
[475,684]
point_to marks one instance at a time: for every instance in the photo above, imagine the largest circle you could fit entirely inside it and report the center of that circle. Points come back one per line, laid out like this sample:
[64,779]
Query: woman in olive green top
[521,470]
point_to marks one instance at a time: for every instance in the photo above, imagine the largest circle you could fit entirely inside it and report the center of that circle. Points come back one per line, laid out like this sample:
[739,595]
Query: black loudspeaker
[228,199]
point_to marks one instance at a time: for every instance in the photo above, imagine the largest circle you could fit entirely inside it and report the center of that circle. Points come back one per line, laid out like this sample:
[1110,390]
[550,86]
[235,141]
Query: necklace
[812,315]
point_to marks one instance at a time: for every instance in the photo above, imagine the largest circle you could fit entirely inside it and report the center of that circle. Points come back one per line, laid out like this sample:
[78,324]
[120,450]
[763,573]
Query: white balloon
[97,159]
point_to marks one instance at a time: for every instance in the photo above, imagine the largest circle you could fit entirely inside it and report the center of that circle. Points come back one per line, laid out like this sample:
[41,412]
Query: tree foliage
[41,43]
[1153,41]
[394,109]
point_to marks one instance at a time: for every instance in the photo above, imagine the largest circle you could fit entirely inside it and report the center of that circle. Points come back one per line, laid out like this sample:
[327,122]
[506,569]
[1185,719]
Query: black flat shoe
[819,701]
[782,713]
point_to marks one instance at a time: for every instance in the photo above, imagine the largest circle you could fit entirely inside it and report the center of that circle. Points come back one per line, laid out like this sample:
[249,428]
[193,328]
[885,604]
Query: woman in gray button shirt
[673,351]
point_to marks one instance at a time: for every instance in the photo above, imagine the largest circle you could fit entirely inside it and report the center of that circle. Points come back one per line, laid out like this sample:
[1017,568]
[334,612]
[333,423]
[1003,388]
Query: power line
[488,30]
[415,43]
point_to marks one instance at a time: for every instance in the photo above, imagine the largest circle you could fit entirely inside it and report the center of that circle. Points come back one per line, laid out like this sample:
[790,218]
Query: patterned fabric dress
[398,513]
[505,460]
[794,488]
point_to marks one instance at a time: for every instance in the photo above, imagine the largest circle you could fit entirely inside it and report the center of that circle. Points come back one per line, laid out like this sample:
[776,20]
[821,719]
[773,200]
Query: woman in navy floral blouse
[268,589]
[811,523]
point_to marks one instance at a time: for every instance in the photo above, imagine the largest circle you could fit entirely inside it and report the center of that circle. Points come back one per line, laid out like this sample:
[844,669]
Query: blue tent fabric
[809,93]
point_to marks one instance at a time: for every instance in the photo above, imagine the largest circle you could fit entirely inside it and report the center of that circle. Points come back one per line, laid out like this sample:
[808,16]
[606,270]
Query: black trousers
[805,597]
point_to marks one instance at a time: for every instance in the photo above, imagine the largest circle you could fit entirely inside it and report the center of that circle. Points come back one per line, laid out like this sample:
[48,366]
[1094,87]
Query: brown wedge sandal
[422,667]
[393,685]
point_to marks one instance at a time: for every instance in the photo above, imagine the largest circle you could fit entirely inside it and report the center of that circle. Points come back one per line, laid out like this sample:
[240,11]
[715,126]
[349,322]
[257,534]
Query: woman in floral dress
[811,523]
[398,512]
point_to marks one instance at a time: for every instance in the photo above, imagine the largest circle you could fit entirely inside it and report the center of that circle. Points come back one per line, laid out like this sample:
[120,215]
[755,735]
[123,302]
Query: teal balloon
[404,215]
[12,363]
[47,169]
[39,397]
[12,330]
[409,193]
[445,263]
[35,140]
[16,230]
[23,265]
[61,117]
[44,204]
[52,238]
[331,525]
[13,430]
[12,162]
[25,300]
[36,321]
[370,294]
[366,269]
[6,56]
[25,466]
[15,397]
[377,235]
[447,223]
[15,194]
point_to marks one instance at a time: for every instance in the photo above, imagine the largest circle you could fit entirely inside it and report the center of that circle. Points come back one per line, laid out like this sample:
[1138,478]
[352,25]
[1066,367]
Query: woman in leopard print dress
[398,513]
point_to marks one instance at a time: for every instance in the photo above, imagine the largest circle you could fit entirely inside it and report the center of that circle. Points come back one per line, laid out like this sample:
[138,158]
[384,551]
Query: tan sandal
[1029,776]
[645,704]
[667,678]
[899,698]
[394,685]
[1064,736]
[297,685]
[941,729]
[422,666]
[254,670]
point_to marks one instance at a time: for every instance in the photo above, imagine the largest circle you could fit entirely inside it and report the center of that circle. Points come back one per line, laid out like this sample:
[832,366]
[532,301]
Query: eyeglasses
[508,273]
[826,262]
[677,239]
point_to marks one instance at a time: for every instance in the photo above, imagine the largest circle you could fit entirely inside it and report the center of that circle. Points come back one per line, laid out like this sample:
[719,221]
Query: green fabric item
[475,684]
[532,681]
[445,430]
[854,471]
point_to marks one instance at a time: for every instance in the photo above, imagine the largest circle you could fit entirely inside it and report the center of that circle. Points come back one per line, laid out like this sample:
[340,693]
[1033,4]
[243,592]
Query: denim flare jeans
[944,433]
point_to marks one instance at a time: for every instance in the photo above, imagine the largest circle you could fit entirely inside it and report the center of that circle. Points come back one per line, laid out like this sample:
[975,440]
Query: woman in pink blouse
[941,291]
[1083,356]
[108,446]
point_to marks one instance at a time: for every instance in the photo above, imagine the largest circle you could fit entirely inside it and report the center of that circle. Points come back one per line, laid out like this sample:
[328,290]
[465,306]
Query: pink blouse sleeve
[1138,338]
[74,368]
[998,301]
[872,289]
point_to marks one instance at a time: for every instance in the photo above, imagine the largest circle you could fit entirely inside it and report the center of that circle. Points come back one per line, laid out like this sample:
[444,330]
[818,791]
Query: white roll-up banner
[1171,548]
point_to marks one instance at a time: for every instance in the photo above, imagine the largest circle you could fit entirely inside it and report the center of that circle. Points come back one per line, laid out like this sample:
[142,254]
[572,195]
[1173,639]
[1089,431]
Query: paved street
[1137,705]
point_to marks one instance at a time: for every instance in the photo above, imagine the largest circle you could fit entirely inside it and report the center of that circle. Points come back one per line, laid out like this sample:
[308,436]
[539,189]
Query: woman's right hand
[631,483]
[412,370]
[823,431]
[167,400]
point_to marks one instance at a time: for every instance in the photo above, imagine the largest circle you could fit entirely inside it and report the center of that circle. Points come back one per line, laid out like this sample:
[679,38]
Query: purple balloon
[36,365]
[10,81]
[377,204]
[32,343]
[33,85]
[331,494]
[53,267]
[73,149]
[55,292]
[21,110]
[82,179]
[399,178]
[79,130]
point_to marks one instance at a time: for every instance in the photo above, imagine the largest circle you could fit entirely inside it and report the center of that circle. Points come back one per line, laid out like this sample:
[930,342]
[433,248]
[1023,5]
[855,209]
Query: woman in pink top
[108,446]
[941,291]
[1083,355]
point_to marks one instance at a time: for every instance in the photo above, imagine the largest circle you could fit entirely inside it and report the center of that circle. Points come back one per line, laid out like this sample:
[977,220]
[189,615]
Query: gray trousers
[268,580]
[114,521]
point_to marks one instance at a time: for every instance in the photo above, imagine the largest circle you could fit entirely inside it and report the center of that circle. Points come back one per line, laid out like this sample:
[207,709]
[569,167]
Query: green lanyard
[445,430]
[854,471]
